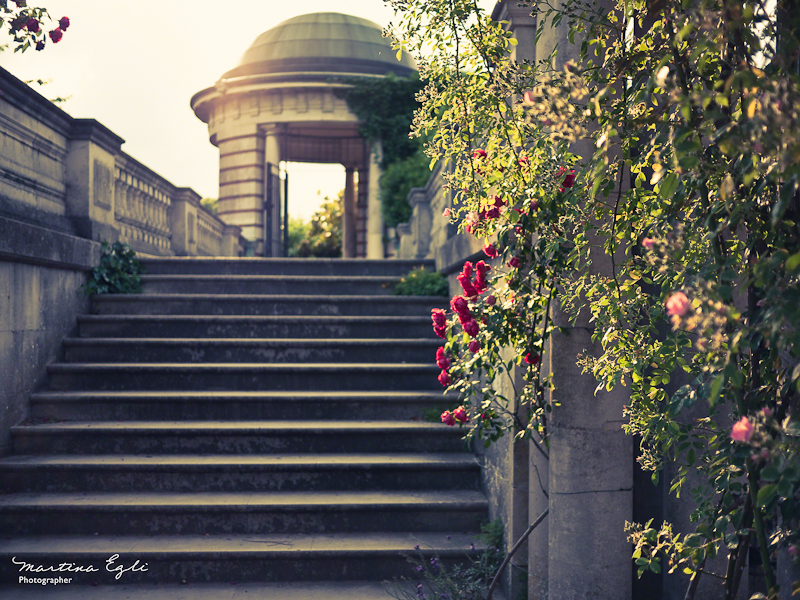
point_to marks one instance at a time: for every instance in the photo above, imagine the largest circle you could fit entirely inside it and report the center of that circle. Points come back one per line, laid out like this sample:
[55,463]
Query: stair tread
[322,590]
[238,460]
[257,318]
[356,543]
[238,366]
[234,426]
[256,341]
[346,500]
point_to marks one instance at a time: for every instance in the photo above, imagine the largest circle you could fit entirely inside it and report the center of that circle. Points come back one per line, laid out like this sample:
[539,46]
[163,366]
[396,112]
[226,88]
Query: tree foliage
[651,185]
[323,237]
[385,106]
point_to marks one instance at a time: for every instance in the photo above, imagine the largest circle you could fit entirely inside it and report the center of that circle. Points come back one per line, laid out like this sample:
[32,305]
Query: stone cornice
[97,133]
[22,97]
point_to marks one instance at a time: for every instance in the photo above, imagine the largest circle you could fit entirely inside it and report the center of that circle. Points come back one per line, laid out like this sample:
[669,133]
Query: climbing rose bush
[26,26]
[649,186]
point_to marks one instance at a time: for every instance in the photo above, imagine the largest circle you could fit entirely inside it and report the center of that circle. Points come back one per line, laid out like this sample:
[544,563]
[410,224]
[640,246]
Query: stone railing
[71,175]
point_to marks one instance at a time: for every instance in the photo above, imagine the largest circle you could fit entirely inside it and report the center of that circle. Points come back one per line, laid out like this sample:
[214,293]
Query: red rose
[532,359]
[466,285]
[480,279]
[514,262]
[445,380]
[490,300]
[492,213]
[440,331]
[474,346]
[470,327]
[460,306]
[40,45]
[448,418]
[460,415]
[490,251]
[32,25]
[479,153]
[569,180]
[498,202]
[439,317]
[63,23]
[441,359]
[56,35]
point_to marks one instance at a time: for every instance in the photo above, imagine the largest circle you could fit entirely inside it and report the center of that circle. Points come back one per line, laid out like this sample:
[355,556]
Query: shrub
[420,282]
[118,272]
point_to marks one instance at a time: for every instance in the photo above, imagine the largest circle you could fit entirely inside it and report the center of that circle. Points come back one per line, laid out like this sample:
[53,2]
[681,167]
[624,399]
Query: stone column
[241,183]
[349,222]
[421,221]
[374,209]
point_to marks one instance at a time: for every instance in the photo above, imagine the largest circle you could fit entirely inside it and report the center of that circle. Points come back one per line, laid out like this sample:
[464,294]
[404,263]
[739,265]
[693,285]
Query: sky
[134,66]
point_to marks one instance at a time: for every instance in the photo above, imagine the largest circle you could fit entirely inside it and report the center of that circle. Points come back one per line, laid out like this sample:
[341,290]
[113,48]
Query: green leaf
[766,494]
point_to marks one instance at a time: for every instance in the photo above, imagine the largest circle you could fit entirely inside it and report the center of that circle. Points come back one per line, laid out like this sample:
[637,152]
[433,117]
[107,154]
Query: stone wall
[41,273]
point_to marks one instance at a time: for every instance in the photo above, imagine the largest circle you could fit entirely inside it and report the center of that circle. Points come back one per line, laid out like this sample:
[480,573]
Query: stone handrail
[142,202]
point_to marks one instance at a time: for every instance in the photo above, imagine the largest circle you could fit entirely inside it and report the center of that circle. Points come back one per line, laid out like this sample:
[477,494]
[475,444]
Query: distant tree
[324,238]
[210,204]
[298,233]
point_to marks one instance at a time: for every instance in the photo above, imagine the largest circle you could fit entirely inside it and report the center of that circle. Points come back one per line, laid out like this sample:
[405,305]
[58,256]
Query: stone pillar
[230,240]
[90,177]
[241,183]
[421,222]
[349,222]
[375,234]
[183,221]
[274,188]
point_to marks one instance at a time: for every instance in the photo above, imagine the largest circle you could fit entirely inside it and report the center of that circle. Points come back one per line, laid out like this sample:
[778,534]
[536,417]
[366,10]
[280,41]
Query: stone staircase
[241,421]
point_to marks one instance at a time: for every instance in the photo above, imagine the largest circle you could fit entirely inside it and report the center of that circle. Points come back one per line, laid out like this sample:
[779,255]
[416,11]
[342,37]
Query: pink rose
[444,379]
[32,25]
[63,23]
[490,251]
[490,300]
[498,202]
[446,213]
[441,359]
[471,327]
[465,279]
[742,430]
[460,415]
[479,153]
[514,262]
[648,243]
[678,304]
[480,278]
[56,35]
[448,418]
[439,317]
[474,346]
[440,331]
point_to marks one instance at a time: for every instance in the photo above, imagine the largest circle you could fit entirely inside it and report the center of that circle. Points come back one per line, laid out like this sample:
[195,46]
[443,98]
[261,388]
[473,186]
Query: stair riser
[213,409]
[245,479]
[243,519]
[243,328]
[312,442]
[150,352]
[194,568]
[323,287]
[376,306]
[306,267]
[243,379]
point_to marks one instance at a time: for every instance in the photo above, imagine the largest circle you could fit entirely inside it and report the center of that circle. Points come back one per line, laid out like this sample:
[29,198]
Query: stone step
[230,326]
[250,350]
[214,513]
[261,304]
[249,473]
[197,559]
[242,376]
[325,590]
[235,437]
[231,405]
[267,284]
[282,266]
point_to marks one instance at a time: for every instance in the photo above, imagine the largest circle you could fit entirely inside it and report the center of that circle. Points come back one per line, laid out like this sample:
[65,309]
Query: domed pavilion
[278,104]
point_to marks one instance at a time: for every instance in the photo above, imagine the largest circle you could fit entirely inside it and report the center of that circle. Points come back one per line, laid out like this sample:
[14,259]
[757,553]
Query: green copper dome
[321,44]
